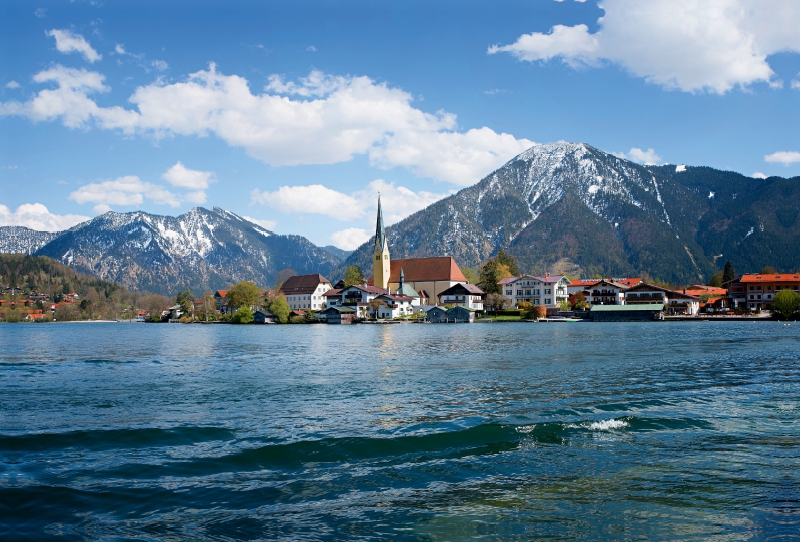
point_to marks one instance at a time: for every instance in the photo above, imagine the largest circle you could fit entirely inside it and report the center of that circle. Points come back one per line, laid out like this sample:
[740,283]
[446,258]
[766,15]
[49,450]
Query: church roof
[407,290]
[380,233]
[426,270]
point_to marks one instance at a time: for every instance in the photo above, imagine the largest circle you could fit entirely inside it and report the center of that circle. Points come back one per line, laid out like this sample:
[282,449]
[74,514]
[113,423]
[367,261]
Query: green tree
[244,294]
[243,315]
[280,308]
[768,270]
[728,272]
[186,300]
[504,259]
[353,276]
[787,302]
[471,275]
[716,279]
[491,273]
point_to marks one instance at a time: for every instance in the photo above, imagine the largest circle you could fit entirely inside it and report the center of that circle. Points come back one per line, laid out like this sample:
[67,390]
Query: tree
[496,301]
[716,279]
[577,301]
[471,276]
[68,313]
[186,300]
[508,261]
[155,305]
[787,302]
[376,304]
[244,294]
[728,272]
[705,296]
[280,308]
[493,272]
[539,311]
[353,276]
[242,316]
[768,270]
[208,306]
[282,276]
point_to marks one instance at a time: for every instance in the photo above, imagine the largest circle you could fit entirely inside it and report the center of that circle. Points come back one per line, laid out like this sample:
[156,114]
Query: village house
[306,292]
[548,290]
[675,302]
[221,300]
[605,292]
[579,286]
[465,295]
[756,291]
[395,306]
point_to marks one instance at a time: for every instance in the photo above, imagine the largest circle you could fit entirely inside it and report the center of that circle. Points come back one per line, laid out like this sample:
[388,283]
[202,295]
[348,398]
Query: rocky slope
[202,249]
[22,240]
[570,202]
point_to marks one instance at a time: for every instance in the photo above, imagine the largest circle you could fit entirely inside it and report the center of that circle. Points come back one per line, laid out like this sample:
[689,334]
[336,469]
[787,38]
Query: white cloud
[321,119]
[160,65]
[783,157]
[12,84]
[67,42]
[198,197]
[398,201]
[37,217]
[69,100]
[128,190]
[180,175]
[693,46]
[648,157]
[263,222]
[315,198]
[758,175]
[311,48]
[41,13]
[350,238]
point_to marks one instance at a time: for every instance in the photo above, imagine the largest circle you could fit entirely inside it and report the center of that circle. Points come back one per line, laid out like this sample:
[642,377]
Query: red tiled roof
[579,283]
[222,293]
[777,277]
[708,289]
[426,270]
[303,284]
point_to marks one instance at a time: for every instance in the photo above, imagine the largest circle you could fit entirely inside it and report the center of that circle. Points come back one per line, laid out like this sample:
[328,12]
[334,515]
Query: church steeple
[380,234]
[381,264]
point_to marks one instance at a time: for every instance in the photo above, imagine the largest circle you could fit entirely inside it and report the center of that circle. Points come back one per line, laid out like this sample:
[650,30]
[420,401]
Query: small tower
[381,265]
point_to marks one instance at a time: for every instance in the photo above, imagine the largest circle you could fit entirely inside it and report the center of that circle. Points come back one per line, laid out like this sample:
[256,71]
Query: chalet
[605,292]
[756,291]
[465,295]
[576,286]
[306,292]
[395,306]
[221,300]
[359,294]
[675,302]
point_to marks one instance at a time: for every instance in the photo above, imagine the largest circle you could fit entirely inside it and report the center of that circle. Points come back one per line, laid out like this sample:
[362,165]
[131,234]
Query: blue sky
[296,114]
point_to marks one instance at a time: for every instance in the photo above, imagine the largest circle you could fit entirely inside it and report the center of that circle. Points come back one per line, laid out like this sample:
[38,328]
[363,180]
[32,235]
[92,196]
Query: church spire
[381,263]
[380,233]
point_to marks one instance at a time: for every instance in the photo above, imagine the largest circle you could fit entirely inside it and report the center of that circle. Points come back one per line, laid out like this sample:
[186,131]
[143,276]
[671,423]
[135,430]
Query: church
[427,277]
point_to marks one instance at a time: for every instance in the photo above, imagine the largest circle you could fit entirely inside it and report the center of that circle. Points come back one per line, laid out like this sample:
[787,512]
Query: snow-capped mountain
[202,249]
[19,239]
[561,205]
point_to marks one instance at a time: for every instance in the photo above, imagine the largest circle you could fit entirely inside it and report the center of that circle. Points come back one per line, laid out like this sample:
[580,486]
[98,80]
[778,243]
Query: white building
[395,306]
[549,290]
[605,292]
[463,295]
[306,292]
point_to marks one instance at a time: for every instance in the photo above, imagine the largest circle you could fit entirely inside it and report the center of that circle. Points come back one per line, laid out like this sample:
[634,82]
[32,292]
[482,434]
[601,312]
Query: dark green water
[671,431]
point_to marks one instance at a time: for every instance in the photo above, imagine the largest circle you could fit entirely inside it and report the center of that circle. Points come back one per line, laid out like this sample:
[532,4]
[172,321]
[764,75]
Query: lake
[664,430]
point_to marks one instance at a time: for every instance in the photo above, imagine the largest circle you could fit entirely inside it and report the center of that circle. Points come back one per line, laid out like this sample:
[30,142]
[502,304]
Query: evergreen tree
[185,299]
[353,276]
[728,273]
[504,259]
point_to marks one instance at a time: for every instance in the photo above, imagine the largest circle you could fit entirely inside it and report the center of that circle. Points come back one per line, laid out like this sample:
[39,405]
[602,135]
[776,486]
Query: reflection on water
[412,432]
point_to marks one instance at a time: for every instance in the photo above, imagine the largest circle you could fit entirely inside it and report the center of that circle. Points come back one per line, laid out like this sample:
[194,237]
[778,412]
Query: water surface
[678,430]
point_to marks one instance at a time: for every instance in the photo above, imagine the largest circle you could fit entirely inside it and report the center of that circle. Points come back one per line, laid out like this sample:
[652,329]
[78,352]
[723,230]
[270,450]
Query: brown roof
[462,288]
[303,284]
[426,270]
[333,292]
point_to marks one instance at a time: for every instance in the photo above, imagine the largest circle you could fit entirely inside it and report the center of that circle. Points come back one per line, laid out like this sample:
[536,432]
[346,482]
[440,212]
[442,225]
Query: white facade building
[549,290]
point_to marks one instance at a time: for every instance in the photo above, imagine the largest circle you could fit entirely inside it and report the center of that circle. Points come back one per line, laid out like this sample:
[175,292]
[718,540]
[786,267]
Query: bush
[536,312]
[12,316]
[186,319]
[242,316]
[298,320]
